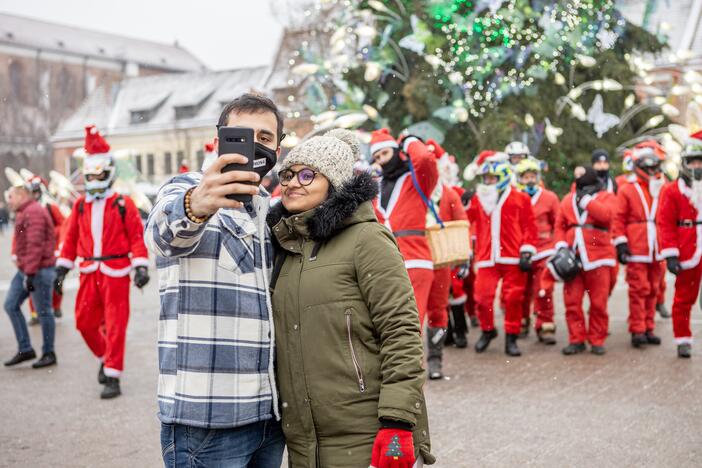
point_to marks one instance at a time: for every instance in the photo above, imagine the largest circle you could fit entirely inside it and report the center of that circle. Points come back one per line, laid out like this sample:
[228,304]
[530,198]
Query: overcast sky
[222,33]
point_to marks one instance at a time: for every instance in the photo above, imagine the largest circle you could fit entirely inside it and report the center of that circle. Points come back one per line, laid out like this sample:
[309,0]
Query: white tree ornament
[600,120]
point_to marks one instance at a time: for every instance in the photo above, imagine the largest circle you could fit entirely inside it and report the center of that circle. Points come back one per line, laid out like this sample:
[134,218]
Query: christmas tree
[476,75]
[394,448]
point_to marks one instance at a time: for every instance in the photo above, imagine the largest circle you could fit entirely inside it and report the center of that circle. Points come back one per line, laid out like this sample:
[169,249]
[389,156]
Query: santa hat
[94,142]
[697,135]
[210,156]
[382,139]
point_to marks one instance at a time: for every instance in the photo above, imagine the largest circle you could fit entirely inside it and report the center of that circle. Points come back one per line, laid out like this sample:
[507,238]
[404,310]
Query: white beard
[488,195]
[697,194]
[655,186]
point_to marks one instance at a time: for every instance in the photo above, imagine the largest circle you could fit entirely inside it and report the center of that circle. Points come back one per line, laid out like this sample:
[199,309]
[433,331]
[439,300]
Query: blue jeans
[43,287]
[257,445]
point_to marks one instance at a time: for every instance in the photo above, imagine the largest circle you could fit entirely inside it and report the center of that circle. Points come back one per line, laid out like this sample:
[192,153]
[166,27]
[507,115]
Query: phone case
[238,140]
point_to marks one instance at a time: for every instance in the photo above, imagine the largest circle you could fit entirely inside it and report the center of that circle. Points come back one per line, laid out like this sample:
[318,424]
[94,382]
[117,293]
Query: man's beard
[488,196]
[697,194]
[655,184]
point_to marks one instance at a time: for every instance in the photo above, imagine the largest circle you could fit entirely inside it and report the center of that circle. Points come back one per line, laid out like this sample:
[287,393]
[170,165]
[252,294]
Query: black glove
[525,261]
[141,277]
[61,273]
[467,196]
[463,271]
[404,138]
[623,253]
[673,264]
[29,283]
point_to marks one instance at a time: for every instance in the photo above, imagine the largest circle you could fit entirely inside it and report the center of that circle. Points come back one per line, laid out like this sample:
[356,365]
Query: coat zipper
[357,367]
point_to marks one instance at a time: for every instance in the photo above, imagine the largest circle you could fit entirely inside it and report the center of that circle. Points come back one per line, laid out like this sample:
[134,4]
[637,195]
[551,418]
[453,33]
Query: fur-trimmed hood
[340,210]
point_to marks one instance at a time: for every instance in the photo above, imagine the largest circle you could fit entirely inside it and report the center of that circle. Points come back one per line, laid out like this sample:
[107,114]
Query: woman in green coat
[348,344]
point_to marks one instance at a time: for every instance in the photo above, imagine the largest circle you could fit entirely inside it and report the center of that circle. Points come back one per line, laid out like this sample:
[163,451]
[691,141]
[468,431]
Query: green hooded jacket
[348,343]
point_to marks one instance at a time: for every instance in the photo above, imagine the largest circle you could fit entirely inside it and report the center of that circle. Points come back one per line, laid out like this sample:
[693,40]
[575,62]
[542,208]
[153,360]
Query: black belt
[688,223]
[589,226]
[107,257]
[409,233]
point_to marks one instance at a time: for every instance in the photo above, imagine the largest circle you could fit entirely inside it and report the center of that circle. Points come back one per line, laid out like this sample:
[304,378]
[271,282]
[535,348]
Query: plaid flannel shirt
[216,345]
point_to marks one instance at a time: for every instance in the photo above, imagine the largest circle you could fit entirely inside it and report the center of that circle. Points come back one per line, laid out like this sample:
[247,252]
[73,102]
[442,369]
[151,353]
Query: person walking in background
[4,217]
[34,243]
[104,229]
[349,348]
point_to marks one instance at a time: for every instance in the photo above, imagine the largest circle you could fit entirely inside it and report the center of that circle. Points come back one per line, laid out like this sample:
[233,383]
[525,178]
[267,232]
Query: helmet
[647,158]
[564,265]
[692,151]
[98,162]
[517,148]
[524,166]
[498,169]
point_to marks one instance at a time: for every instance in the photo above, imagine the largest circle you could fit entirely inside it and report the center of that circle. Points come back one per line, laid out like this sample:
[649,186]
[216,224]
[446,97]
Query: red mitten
[393,448]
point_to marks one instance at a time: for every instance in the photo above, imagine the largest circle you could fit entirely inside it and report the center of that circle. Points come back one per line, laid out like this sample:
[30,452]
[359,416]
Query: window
[150,164]
[200,156]
[137,162]
[167,163]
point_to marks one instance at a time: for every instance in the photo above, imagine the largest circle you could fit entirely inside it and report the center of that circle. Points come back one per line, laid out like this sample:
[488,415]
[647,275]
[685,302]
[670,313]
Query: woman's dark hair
[252,104]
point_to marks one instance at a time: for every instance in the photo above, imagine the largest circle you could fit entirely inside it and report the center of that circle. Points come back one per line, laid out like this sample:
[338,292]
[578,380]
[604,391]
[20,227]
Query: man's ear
[216,143]
[278,151]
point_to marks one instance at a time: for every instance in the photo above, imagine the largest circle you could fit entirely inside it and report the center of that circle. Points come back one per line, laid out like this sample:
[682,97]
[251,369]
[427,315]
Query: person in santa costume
[105,229]
[505,244]
[601,165]
[636,242]
[449,209]
[584,226]
[545,204]
[409,176]
[516,152]
[679,222]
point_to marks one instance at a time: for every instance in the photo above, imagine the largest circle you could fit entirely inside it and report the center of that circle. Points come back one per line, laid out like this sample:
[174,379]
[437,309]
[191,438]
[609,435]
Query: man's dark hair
[252,104]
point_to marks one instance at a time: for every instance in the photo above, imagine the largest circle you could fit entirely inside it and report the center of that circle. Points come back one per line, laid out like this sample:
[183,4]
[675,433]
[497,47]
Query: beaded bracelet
[189,212]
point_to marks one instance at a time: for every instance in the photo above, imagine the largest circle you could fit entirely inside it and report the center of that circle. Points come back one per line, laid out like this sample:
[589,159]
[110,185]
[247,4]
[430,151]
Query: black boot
[652,339]
[474,322]
[638,340]
[101,374]
[662,311]
[511,348]
[435,343]
[547,334]
[485,338]
[574,348]
[460,326]
[111,389]
[685,350]
[46,360]
[524,330]
[21,357]
[597,350]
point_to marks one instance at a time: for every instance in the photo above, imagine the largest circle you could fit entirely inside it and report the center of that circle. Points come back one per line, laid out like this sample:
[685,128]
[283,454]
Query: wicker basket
[451,245]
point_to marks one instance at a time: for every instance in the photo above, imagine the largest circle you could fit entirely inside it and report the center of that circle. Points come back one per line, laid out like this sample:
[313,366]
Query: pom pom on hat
[381,139]
[94,142]
[332,155]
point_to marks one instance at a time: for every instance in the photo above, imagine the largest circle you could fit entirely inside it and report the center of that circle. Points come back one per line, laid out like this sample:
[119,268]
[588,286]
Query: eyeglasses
[304,176]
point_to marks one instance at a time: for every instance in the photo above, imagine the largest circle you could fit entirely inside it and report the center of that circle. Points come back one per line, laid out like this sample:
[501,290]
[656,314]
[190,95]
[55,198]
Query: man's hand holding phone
[211,194]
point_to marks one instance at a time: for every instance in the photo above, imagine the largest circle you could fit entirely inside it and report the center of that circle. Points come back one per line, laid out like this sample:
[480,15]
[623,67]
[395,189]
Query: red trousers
[687,286]
[102,313]
[437,305]
[597,285]
[614,274]
[512,295]
[644,280]
[421,279]
[458,295]
[661,288]
[469,288]
[542,300]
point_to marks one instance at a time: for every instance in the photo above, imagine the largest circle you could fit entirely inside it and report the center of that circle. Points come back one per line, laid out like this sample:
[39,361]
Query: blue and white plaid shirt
[216,345]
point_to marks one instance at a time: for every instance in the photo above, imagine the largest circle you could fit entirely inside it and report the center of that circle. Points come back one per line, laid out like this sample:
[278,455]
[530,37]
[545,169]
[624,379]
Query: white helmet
[98,162]
[517,148]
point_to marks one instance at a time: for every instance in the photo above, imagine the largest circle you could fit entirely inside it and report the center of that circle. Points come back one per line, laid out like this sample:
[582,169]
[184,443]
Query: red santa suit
[450,209]
[588,234]
[108,235]
[501,237]
[545,204]
[680,235]
[405,214]
[635,225]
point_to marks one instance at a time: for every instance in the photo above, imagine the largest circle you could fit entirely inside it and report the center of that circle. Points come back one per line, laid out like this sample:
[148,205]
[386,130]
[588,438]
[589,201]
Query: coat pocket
[354,357]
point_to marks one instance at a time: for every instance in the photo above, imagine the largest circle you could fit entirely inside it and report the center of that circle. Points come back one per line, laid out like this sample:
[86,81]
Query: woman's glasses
[304,176]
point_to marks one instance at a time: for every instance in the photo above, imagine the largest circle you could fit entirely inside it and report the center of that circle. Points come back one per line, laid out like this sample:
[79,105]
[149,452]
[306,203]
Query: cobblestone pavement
[627,408]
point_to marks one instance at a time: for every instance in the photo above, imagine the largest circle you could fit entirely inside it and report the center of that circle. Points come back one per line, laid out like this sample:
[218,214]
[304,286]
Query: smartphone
[239,140]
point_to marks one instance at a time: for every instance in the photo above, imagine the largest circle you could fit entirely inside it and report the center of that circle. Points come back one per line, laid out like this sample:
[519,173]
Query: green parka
[348,344]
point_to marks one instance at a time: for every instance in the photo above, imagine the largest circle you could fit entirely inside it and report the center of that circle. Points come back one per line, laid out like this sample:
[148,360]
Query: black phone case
[237,140]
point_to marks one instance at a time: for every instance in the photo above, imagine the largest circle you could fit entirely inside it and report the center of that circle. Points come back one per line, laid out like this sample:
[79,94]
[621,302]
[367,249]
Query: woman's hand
[393,448]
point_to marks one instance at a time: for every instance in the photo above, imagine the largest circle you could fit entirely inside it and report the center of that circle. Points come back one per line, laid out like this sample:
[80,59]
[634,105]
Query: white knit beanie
[332,155]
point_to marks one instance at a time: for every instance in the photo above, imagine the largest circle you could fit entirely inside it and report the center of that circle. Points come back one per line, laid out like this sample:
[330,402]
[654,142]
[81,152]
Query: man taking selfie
[217,398]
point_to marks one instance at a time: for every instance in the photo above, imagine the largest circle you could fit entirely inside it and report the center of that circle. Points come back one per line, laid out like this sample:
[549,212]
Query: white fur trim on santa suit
[382,145]
[585,201]
[109,372]
[683,340]
[536,196]
[394,197]
[458,300]
[555,275]
[408,141]
[526,248]
[97,215]
[620,240]
[651,233]
[140,261]
[64,262]
[580,239]
[495,230]
[544,254]
[672,252]
[561,245]
[420,264]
